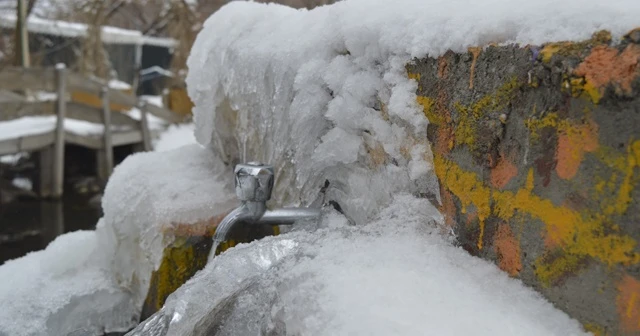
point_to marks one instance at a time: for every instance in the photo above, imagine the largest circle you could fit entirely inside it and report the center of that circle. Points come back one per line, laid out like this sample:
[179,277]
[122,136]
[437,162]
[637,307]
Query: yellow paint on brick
[427,104]
[549,50]
[468,116]
[414,75]
[577,234]
[623,200]
[547,272]
[595,329]
[569,48]
[580,87]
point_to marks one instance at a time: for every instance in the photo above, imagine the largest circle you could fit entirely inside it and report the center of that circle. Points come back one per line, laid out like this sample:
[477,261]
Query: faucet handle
[254,181]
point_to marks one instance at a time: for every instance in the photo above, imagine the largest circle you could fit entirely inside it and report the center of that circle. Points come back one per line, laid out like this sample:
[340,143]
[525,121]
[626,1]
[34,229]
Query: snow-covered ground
[312,92]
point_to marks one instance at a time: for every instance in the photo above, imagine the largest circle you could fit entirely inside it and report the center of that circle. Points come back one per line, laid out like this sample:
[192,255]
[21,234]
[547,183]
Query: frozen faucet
[254,184]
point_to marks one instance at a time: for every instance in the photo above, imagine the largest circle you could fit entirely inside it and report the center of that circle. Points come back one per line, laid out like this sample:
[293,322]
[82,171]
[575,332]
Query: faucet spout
[250,212]
[254,183]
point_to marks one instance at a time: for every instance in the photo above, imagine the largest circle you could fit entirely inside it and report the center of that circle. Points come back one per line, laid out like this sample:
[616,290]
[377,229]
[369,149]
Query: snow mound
[61,290]
[395,276]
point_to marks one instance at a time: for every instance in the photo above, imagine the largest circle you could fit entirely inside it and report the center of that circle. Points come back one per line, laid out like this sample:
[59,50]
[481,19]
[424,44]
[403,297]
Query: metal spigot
[254,181]
[254,184]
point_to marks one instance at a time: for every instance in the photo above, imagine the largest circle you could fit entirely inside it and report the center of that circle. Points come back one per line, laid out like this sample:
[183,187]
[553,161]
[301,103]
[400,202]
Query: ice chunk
[395,276]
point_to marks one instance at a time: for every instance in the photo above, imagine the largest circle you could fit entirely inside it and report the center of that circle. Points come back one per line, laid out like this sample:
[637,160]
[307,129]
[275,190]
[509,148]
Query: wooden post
[61,110]
[137,66]
[22,39]
[107,144]
[45,162]
[51,219]
[144,126]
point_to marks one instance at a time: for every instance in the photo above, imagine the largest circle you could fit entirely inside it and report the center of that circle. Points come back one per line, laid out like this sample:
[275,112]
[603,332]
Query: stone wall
[537,150]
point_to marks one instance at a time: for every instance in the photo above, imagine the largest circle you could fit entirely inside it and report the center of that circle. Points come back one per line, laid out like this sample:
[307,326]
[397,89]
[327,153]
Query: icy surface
[147,195]
[395,276]
[175,136]
[316,92]
[63,289]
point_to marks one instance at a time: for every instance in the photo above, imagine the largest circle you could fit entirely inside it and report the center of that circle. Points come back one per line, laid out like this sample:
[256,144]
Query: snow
[155,100]
[29,126]
[22,183]
[63,289]
[119,85]
[175,136]
[395,276]
[12,159]
[155,123]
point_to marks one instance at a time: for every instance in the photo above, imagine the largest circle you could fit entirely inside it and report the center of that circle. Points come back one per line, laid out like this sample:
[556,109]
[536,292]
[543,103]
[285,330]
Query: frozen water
[395,276]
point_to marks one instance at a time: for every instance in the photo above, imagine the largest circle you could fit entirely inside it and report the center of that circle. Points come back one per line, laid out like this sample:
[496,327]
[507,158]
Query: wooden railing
[62,82]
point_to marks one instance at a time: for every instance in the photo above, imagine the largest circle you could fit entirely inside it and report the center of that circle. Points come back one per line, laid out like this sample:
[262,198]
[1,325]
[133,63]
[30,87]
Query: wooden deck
[118,128]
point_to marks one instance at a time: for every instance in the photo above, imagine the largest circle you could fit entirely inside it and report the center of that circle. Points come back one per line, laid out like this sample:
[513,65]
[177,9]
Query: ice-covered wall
[386,96]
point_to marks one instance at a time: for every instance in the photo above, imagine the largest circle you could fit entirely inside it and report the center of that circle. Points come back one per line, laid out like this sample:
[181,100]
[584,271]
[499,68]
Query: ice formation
[394,276]
[324,94]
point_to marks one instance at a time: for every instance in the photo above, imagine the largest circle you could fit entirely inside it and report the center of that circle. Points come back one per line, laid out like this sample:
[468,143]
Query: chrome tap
[254,184]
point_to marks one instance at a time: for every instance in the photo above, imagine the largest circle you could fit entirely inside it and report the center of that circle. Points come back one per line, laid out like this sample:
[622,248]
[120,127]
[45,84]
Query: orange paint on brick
[448,207]
[472,217]
[507,248]
[475,51]
[573,143]
[442,67]
[503,172]
[606,66]
[628,305]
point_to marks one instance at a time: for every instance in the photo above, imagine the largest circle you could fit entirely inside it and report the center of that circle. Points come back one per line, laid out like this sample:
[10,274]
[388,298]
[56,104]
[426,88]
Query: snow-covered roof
[110,35]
